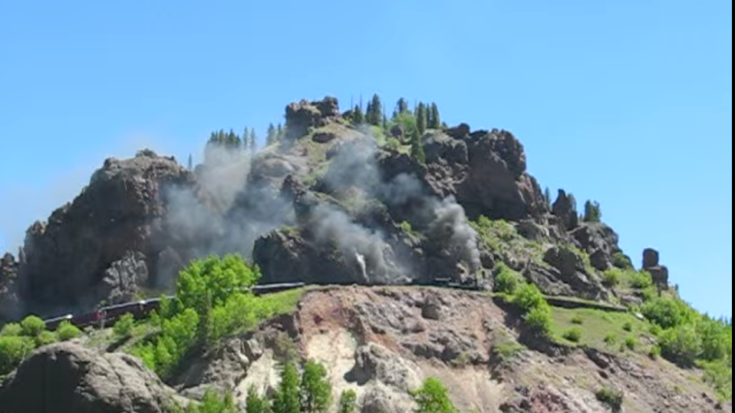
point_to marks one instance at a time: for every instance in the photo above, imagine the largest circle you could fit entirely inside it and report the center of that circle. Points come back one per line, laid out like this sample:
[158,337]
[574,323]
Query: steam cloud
[228,212]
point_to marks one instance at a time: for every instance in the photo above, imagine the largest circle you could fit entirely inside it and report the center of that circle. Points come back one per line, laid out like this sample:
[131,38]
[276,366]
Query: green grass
[598,327]
[500,236]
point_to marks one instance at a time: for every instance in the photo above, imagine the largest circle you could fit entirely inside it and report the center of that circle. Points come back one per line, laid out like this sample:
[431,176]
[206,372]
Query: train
[106,316]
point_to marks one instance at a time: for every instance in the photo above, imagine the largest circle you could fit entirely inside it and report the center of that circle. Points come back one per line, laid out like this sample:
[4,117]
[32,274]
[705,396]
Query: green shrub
[681,344]
[124,326]
[612,398]
[612,277]
[577,320]
[610,339]
[529,297]
[631,343]
[538,320]
[32,326]
[628,326]
[348,402]
[573,334]
[44,338]
[622,261]
[654,352]
[507,280]
[11,329]
[640,279]
[668,312]
[12,351]
[67,331]
[432,397]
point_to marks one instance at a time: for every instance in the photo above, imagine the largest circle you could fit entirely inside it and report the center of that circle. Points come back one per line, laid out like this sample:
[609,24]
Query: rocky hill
[334,201]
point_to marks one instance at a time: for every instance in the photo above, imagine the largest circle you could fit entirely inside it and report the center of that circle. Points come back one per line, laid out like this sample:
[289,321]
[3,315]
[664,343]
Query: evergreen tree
[421,118]
[271,135]
[417,147]
[253,141]
[348,402]
[592,211]
[287,398]
[316,391]
[435,119]
[401,107]
[255,403]
[547,195]
[190,163]
[369,113]
[279,132]
[357,116]
[375,113]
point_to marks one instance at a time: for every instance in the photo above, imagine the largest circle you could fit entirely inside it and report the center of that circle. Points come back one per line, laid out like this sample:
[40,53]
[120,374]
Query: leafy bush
[11,329]
[32,326]
[628,326]
[124,326]
[45,337]
[529,297]
[577,320]
[507,280]
[573,334]
[668,312]
[621,261]
[432,397]
[654,352]
[538,320]
[612,398]
[640,279]
[348,402]
[631,343]
[610,339]
[67,331]
[12,351]
[611,277]
[681,344]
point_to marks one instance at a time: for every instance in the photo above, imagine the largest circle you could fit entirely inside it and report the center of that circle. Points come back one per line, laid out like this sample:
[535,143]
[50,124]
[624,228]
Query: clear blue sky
[626,102]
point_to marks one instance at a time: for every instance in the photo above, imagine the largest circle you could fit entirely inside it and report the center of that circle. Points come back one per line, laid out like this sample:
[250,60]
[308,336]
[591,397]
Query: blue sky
[626,102]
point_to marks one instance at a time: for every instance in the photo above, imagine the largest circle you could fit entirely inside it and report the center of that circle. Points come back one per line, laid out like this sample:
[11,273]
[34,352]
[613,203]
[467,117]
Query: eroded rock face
[69,378]
[101,245]
[10,303]
[565,209]
[659,273]
[572,271]
[303,115]
[600,242]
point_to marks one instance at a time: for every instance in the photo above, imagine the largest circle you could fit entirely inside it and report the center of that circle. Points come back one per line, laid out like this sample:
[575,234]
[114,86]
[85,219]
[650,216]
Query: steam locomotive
[106,316]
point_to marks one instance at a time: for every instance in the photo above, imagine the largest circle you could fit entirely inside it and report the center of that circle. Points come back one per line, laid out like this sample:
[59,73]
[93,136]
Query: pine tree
[435,118]
[357,116]
[348,402]
[592,211]
[255,403]
[421,118]
[401,107]
[547,196]
[316,391]
[369,113]
[270,137]
[432,398]
[375,114]
[417,148]
[279,132]
[190,163]
[287,398]
[253,139]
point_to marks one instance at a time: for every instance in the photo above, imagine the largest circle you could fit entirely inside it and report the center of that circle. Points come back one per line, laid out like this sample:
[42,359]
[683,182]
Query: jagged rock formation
[70,378]
[659,273]
[141,220]
[106,243]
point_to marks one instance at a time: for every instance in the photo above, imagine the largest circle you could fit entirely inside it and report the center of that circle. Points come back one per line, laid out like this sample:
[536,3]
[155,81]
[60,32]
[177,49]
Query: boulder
[572,271]
[600,242]
[659,273]
[69,378]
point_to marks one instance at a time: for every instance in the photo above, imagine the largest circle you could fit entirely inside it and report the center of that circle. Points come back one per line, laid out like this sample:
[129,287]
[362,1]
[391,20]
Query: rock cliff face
[327,204]
[383,341]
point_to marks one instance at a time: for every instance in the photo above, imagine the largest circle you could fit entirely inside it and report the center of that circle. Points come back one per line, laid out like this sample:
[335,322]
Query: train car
[53,323]
[86,320]
[275,288]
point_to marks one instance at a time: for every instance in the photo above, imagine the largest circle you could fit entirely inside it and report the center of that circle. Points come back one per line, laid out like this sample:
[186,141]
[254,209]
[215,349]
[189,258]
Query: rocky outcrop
[601,243]
[10,304]
[571,270]
[70,378]
[659,273]
[302,116]
[103,245]
[566,210]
